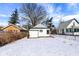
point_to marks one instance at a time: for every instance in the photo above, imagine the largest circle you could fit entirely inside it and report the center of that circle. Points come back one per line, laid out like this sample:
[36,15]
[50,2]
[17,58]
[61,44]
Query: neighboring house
[39,31]
[1,28]
[69,27]
[13,28]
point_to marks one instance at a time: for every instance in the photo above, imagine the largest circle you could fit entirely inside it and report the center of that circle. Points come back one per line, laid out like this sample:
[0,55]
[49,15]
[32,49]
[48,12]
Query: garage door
[33,33]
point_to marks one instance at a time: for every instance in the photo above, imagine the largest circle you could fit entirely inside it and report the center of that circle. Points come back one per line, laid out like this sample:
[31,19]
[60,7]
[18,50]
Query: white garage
[39,31]
[33,33]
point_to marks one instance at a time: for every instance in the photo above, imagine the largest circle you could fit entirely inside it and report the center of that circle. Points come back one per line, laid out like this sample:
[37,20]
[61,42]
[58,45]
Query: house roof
[66,23]
[40,26]
[18,27]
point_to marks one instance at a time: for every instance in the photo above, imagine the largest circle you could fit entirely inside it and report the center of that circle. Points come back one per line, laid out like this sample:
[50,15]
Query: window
[66,30]
[41,30]
[75,30]
[78,30]
[47,31]
[70,30]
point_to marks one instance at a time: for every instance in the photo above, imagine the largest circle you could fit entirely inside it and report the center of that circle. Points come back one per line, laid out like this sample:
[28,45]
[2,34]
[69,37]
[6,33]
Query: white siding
[70,25]
[33,33]
[60,31]
[44,33]
[38,33]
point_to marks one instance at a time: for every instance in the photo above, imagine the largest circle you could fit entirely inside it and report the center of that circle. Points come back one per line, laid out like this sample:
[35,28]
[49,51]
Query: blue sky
[60,11]
[5,12]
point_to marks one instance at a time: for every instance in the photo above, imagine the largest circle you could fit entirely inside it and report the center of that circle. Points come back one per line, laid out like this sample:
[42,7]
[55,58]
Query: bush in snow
[7,37]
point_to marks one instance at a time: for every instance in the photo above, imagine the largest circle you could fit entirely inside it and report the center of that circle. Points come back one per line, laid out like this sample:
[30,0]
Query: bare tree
[34,11]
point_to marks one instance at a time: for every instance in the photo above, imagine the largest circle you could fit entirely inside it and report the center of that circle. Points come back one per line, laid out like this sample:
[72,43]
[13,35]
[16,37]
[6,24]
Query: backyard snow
[57,46]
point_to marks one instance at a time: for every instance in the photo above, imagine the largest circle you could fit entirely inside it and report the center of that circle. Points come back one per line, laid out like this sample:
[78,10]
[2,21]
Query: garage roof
[40,26]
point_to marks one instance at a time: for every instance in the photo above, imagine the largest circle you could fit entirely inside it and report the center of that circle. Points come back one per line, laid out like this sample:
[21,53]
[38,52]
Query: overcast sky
[60,11]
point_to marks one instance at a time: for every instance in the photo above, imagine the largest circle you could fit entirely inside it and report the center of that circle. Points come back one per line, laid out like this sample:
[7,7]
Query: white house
[39,31]
[69,27]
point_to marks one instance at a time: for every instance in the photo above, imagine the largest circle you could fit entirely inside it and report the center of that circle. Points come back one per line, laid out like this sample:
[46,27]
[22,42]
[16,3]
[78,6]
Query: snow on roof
[18,27]
[40,26]
[66,23]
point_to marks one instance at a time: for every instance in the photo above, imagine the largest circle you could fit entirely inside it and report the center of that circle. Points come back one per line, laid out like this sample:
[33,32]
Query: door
[33,33]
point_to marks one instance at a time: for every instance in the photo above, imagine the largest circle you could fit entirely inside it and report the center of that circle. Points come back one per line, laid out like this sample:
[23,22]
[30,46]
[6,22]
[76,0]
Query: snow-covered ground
[57,46]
